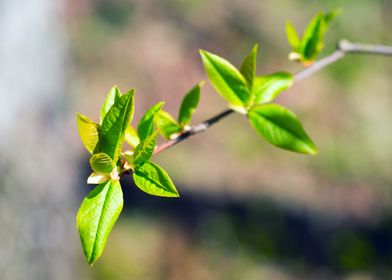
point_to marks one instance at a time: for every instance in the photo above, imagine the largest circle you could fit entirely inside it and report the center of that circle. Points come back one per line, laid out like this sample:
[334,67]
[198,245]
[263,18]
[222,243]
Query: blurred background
[247,210]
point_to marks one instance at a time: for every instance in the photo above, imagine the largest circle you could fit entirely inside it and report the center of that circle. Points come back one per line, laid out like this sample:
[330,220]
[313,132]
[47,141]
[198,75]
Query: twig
[344,47]
[193,130]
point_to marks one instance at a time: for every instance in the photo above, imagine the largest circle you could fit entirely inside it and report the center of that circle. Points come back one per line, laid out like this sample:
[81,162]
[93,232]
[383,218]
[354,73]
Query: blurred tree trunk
[36,225]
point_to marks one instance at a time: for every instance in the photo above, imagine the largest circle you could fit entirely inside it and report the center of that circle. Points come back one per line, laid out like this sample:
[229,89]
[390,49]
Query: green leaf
[226,79]
[113,95]
[188,105]
[145,149]
[281,128]
[101,163]
[166,125]
[114,125]
[329,17]
[292,35]
[312,40]
[146,124]
[88,131]
[152,179]
[267,88]
[97,216]
[131,137]
[248,67]
[129,157]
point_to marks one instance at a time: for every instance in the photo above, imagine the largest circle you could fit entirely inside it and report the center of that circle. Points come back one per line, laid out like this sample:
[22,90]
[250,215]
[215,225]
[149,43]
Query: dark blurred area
[247,210]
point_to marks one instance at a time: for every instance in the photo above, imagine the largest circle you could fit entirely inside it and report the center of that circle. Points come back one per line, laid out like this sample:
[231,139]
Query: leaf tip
[313,151]
[204,54]
[160,105]
[78,116]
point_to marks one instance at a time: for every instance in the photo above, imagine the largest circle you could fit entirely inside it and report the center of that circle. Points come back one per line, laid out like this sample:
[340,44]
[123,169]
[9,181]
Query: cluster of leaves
[104,141]
[252,95]
[246,93]
[306,49]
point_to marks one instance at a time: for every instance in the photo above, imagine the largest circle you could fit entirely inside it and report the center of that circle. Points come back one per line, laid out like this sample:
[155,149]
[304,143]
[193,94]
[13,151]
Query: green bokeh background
[247,210]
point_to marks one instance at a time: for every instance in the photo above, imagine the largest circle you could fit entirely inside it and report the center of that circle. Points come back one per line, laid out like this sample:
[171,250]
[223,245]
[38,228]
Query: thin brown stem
[193,130]
[344,47]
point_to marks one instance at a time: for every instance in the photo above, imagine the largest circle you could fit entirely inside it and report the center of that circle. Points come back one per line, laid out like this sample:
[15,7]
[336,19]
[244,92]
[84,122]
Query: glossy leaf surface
[113,95]
[152,179]
[248,67]
[146,124]
[226,79]
[145,149]
[281,128]
[189,105]
[312,40]
[114,125]
[96,217]
[166,125]
[267,88]
[131,137]
[101,163]
[88,132]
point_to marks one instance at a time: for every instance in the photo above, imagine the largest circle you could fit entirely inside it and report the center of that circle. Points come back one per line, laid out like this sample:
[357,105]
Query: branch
[343,48]
[193,130]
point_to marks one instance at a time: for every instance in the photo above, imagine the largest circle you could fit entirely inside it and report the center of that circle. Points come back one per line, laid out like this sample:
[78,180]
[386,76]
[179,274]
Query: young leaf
[248,67]
[145,149]
[88,131]
[292,35]
[226,79]
[97,216]
[131,137]
[166,125]
[101,163]
[188,105]
[113,95]
[146,124]
[267,88]
[152,179]
[312,40]
[129,157]
[329,17]
[281,128]
[98,178]
[114,125]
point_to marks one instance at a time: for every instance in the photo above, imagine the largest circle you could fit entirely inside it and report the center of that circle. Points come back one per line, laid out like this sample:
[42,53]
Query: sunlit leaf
[88,132]
[96,217]
[113,95]
[131,137]
[292,35]
[145,149]
[267,88]
[248,67]
[98,178]
[152,179]
[188,105]
[281,128]
[146,124]
[226,79]
[313,39]
[166,124]
[101,163]
[114,125]
[330,16]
